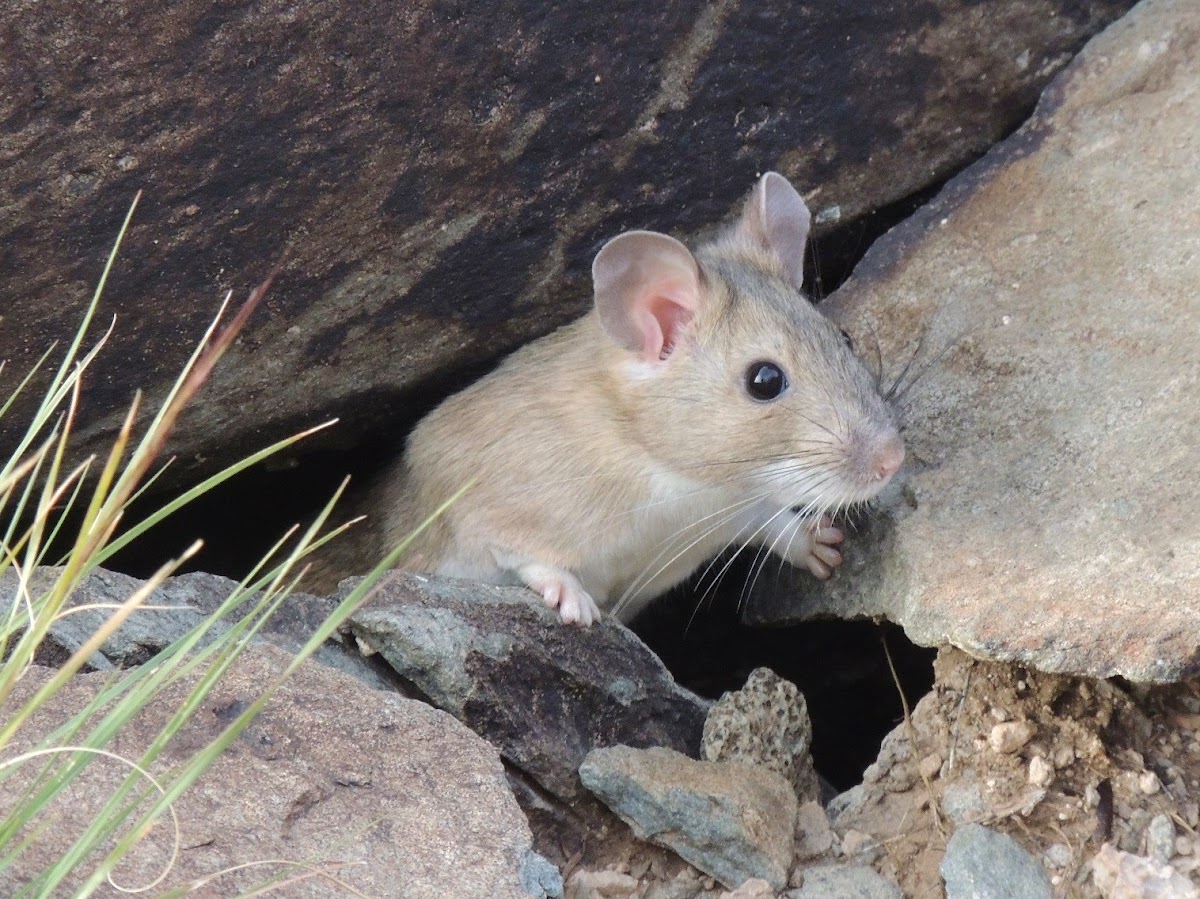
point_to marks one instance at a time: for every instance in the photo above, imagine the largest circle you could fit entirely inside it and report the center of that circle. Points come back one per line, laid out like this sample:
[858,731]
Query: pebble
[1059,855]
[930,766]
[1148,783]
[1009,736]
[1160,838]
[1041,772]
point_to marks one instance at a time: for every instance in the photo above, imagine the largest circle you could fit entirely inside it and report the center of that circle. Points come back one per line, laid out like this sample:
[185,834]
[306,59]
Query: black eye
[847,339]
[765,381]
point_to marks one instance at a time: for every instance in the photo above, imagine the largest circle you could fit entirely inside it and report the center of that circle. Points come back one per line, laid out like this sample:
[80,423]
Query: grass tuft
[46,504]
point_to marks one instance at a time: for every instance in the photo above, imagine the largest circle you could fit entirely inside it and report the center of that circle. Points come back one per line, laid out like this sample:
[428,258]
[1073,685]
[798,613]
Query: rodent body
[703,404]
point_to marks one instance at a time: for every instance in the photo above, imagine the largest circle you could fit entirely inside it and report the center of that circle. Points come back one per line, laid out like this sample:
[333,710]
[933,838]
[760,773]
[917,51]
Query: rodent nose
[889,458]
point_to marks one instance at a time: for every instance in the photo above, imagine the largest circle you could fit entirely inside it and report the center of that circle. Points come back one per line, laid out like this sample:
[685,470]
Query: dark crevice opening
[840,666]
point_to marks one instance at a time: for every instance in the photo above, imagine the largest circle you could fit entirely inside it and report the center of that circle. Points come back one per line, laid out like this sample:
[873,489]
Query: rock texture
[844,882]
[383,793]
[542,693]
[982,864]
[1051,514]
[764,723]
[1122,764]
[177,607]
[732,821]
[1121,875]
[435,179]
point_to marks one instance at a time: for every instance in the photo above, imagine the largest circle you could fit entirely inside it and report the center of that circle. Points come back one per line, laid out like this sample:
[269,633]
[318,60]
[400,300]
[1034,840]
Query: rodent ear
[647,288]
[777,219]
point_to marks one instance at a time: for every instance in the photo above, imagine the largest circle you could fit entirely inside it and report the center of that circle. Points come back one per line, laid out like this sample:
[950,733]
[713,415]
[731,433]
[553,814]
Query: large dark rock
[434,178]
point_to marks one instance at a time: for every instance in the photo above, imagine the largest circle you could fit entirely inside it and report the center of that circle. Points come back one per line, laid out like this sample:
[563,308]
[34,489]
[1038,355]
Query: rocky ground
[1045,535]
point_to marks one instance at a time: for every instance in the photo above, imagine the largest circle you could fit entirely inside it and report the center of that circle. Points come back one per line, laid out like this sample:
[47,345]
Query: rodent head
[732,376]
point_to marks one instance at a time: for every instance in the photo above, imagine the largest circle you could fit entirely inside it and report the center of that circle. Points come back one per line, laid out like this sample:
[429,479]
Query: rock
[1009,736]
[963,799]
[764,723]
[542,693]
[1062,418]
[982,864]
[1041,772]
[601,885]
[814,836]
[1160,838]
[434,181]
[1121,875]
[376,789]
[755,888]
[684,885]
[180,604]
[732,821]
[844,882]
[1059,855]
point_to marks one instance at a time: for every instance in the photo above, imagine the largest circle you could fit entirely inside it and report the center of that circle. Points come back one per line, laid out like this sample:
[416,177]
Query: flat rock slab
[542,692]
[436,179]
[386,794]
[1051,513]
[731,820]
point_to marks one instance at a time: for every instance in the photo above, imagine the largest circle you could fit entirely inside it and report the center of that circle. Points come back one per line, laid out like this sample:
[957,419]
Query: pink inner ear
[662,323]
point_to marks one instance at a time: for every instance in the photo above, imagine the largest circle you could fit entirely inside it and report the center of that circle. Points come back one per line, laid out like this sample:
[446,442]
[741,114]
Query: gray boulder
[1062,272]
[382,793]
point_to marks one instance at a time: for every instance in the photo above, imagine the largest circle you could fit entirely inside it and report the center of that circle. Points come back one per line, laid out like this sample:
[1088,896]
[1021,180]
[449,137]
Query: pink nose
[889,458]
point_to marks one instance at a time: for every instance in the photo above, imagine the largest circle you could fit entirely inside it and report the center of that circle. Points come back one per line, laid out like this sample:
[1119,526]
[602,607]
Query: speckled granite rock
[1051,512]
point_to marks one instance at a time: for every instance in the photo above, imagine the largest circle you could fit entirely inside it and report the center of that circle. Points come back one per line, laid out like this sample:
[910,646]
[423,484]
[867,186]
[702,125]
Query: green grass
[44,505]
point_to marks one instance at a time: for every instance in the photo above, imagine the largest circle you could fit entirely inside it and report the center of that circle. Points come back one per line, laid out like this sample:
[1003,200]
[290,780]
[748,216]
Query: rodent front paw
[561,590]
[823,557]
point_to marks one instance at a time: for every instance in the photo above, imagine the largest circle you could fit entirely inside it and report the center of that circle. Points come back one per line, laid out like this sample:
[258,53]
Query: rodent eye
[847,339]
[765,381]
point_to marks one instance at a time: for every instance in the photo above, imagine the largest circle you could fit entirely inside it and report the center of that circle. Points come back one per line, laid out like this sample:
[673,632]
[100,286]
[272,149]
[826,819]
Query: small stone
[755,888]
[814,836]
[1009,736]
[1183,846]
[585,884]
[930,766]
[1041,772]
[1149,783]
[1091,797]
[684,885]
[962,800]
[844,882]
[1059,855]
[1121,874]
[1160,838]
[1064,757]
[732,821]
[982,864]
[865,847]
